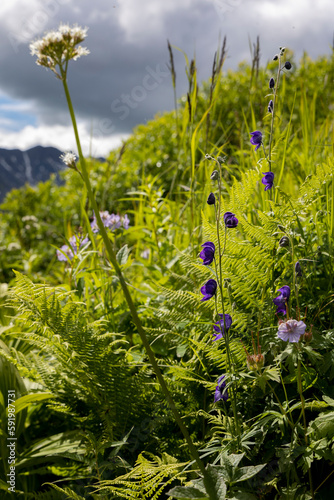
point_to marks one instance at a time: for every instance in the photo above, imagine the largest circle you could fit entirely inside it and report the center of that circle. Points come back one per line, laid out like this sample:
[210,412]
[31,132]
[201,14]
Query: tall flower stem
[279,69]
[209,485]
[300,391]
[220,282]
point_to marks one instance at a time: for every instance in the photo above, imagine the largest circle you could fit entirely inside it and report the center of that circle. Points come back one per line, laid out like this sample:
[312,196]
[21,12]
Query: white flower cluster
[69,159]
[58,47]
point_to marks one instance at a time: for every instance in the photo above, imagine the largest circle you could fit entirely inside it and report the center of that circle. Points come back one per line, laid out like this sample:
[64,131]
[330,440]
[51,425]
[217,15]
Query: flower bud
[284,241]
[271,83]
[255,361]
[211,199]
[275,57]
[288,65]
[214,176]
[270,106]
[298,269]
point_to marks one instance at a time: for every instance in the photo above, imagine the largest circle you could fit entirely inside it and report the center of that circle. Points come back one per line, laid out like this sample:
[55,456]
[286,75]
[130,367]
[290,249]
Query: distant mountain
[31,166]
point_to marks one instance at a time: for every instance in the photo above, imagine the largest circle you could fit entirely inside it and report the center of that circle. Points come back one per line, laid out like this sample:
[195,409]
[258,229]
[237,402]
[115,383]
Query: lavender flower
[209,289]
[230,220]
[282,299]
[71,250]
[268,180]
[110,221]
[221,391]
[256,139]
[271,83]
[208,253]
[211,199]
[291,330]
[219,326]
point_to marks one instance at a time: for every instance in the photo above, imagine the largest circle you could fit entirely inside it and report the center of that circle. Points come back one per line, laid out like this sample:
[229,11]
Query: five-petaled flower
[221,391]
[209,289]
[291,330]
[66,252]
[208,253]
[256,139]
[219,327]
[268,180]
[230,220]
[282,299]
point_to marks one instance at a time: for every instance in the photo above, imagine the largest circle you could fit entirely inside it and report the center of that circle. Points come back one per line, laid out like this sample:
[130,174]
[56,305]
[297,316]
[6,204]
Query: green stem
[210,487]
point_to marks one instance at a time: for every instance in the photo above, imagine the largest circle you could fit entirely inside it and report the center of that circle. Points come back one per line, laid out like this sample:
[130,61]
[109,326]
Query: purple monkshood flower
[110,221]
[230,220]
[256,139]
[291,330]
[298,269]
[282,299]
[271,83]
[219,326]
[221,391]
[211,199]
[268,180]
[209,289]
[71,250]
[208,253]
[270,106]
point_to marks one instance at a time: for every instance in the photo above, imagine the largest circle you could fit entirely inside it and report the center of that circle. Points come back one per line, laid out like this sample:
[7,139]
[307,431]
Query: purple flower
[219,326]
[211,199]
[298,269]
[270,106]
[291,330]
[268,180]
[208,253]
[287,65]
[209,289]
[221,391]
[256,139]
[230,220]
[271,83]
[110,221]
[71,250]
[282,299]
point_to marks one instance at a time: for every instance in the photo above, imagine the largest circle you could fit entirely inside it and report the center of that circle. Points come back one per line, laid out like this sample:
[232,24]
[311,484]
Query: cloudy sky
[125,79]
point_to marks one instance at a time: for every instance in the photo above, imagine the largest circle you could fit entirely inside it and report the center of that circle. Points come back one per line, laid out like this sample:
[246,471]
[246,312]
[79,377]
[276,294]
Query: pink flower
[291,330]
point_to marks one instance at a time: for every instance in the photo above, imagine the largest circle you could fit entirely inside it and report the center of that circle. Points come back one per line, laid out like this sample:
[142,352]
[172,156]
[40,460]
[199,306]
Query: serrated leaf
[245,473]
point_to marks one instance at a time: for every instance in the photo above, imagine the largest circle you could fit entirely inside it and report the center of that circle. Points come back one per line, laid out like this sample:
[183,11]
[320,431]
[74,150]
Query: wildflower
[56,48]
[298,269]
[230,220]
[221,391]
[268,180]
[282,299]
[291,330]
[209,289]
[287,65]
[110,221]
[69,159]
[208,253]
[284,241]
[211,199]
[214,176]
[275,57]
[220,328]
[71,250]
[271,83]
[270,106]
[256,139]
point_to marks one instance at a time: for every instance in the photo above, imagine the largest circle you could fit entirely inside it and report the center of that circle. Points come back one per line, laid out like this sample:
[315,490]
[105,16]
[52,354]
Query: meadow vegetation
[253,391]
